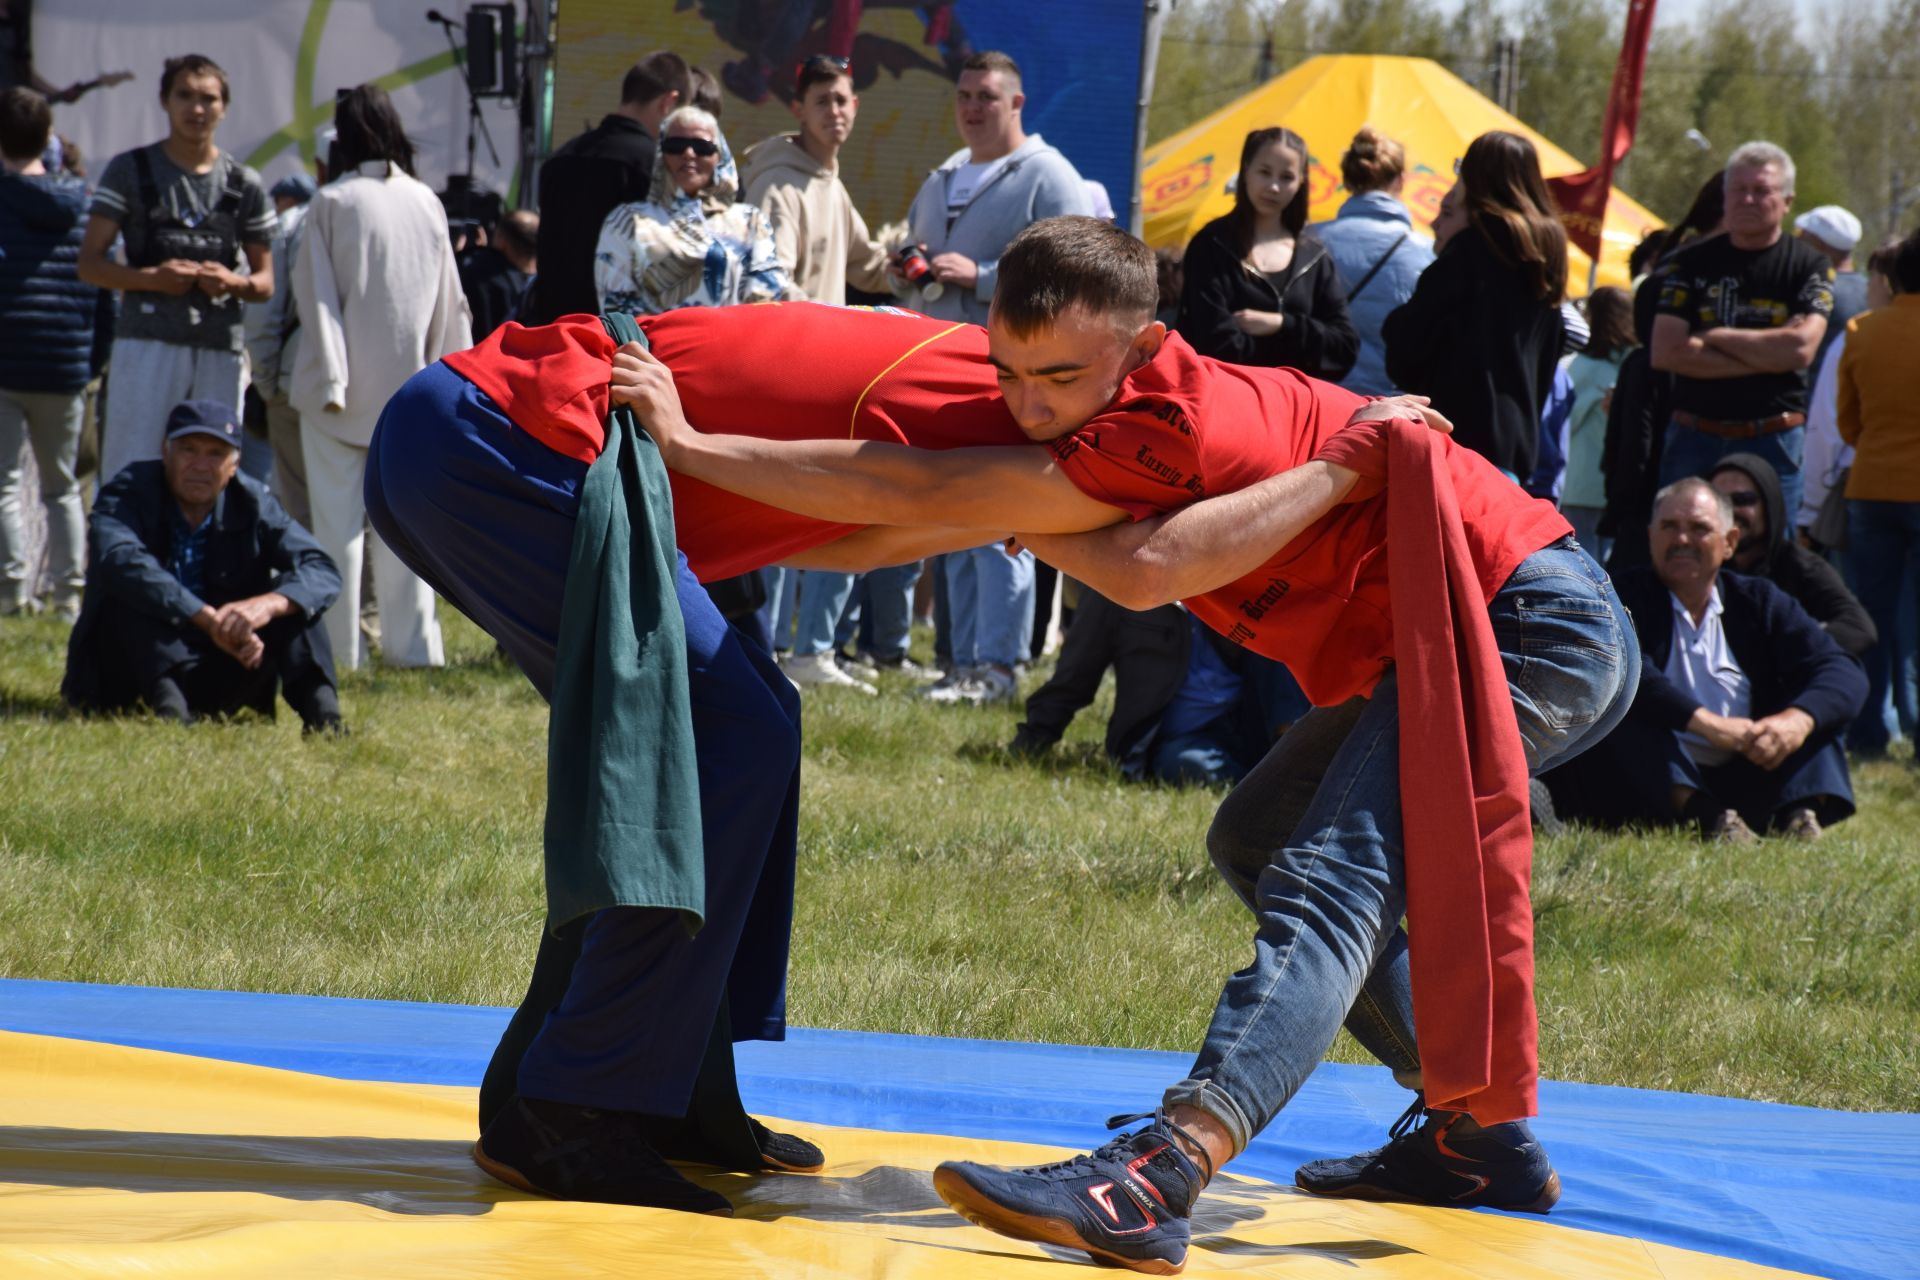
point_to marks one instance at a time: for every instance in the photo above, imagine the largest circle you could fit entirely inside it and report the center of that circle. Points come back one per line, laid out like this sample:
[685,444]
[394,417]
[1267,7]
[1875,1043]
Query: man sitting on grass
[202,594]
[1133,424]
[1743,695]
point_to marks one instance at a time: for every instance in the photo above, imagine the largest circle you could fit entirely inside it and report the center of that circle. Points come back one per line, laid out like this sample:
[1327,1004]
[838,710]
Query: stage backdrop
[285,59]
[1081,60]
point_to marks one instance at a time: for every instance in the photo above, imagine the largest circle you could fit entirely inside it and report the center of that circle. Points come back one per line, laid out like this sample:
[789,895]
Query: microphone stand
[475,118]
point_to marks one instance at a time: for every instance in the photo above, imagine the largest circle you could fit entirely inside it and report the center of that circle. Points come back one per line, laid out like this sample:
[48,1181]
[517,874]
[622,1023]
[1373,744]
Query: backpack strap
[233,199]
[143,173]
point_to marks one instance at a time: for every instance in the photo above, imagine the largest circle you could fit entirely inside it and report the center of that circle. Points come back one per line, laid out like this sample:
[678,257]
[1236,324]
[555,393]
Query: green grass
[944,889]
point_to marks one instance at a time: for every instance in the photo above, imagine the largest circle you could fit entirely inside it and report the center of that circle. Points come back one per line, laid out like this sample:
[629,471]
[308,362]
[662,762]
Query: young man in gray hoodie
[966,213]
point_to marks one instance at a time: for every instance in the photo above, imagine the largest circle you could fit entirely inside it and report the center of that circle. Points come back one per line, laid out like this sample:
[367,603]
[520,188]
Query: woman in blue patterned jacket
[691,243]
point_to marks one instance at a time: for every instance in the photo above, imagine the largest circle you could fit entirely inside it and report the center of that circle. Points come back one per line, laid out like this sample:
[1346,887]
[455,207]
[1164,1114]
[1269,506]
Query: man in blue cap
[203,596]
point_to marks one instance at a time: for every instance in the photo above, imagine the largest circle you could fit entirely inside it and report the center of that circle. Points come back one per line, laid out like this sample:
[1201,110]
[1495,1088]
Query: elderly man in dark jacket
[1768,550]
[1743,695]
[202,593]
[55,333]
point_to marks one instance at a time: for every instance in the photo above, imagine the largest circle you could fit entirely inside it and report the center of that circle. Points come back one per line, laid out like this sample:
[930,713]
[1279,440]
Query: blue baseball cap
[207,417]
[295,186]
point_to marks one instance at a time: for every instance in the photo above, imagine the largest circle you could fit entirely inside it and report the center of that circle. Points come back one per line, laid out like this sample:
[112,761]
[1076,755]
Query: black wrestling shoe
[584,1153]
[1426,1162]
[771,1152]
[1127,1204]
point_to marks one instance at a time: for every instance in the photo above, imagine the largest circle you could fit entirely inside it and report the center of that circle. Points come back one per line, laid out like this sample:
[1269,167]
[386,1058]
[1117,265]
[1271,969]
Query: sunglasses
[1744,498]
[680,146]
[820,62]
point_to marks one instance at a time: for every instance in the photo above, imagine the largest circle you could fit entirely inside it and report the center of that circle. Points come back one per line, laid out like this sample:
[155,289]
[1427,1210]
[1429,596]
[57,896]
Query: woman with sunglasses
[691,242]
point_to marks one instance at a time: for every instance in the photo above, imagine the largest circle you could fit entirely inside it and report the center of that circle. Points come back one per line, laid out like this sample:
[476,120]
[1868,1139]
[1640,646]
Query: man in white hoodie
[966,214]
[823,242]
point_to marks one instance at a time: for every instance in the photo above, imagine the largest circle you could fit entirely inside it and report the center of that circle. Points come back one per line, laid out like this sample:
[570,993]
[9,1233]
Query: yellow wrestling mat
[118,1162]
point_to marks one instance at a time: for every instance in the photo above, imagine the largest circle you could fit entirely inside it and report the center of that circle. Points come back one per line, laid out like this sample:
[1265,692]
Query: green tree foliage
[1844,99]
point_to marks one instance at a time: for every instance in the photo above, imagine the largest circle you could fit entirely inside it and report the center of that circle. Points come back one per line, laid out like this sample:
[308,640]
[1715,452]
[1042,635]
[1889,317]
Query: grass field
[944,889]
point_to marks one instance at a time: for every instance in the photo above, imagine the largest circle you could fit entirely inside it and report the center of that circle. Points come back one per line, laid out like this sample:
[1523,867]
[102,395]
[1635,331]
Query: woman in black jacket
[1483,331]
[1256,291]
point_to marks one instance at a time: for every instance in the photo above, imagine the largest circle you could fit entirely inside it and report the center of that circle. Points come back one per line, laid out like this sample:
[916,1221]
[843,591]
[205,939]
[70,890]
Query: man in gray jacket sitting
[965,215]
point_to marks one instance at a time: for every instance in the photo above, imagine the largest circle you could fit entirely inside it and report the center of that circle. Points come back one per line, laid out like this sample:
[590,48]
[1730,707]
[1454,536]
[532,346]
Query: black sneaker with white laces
[584,1153]
[1427,1161]
[1127,1204]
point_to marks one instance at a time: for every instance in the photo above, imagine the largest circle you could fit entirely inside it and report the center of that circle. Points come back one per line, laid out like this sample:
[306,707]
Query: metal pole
[537,139]
[1156,21]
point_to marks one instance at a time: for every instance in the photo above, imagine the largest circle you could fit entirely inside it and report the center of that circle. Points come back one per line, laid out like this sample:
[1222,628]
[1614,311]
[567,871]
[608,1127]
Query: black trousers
[1628,780]
[151,662]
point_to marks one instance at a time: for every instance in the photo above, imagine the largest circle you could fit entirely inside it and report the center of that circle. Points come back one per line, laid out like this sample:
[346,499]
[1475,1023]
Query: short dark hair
[1905,272]
[821,68]
[519,231]
[26,123]
[703,91]
[368,128]
[1060,263]
[662,71]
[193,64]
[994,60]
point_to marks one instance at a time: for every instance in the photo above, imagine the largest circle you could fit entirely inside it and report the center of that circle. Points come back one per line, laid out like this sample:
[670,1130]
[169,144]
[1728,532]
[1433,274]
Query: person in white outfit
[379,299]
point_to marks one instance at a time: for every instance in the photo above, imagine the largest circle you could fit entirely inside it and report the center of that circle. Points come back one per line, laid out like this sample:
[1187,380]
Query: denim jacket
[1359,236]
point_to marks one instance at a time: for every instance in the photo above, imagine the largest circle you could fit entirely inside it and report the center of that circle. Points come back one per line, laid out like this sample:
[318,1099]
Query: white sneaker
[819,670]
[903,667]
[947,687]
[858,668]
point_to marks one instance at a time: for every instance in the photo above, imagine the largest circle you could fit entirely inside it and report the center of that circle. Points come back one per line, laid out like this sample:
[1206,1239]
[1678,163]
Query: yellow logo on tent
[1179,185]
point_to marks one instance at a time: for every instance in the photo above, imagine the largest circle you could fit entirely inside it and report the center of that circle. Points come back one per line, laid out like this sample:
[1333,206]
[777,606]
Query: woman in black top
[1256,291]
[1483,330]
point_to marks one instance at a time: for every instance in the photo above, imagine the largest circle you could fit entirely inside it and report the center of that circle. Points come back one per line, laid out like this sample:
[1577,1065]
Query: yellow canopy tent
[1416,101]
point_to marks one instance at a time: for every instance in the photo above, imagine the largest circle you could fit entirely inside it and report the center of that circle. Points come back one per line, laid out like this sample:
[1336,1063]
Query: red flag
[1582,197]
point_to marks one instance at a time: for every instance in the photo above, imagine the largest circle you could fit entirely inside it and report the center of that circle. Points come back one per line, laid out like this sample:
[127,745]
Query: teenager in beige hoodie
[820,237]
[823,242]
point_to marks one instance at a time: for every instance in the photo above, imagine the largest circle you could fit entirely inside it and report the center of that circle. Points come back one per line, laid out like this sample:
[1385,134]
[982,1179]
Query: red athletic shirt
[1186,427]
[1182,427]
[778,371]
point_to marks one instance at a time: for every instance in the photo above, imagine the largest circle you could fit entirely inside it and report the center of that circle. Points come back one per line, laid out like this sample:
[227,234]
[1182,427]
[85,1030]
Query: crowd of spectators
[1736,434]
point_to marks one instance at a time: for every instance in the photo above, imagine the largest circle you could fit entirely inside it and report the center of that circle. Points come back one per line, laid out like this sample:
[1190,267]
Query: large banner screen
[1080,58]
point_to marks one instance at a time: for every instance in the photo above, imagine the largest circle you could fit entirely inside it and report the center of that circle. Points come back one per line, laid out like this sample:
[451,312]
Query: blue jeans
[990,594]
[783,597]
[887,597]
[823,597]
[1688,452]
[1312,842]
[1883,559]
[623,1002]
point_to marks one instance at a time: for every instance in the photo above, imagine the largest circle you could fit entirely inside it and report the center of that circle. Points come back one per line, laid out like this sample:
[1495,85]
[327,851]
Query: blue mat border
[1824,1192]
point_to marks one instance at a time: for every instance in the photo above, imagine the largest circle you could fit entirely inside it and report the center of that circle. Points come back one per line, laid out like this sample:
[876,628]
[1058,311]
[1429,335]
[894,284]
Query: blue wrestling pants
[623,1003]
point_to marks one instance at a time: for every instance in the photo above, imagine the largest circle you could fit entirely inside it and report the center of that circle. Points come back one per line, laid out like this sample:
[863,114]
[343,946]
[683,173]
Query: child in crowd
[1584,497]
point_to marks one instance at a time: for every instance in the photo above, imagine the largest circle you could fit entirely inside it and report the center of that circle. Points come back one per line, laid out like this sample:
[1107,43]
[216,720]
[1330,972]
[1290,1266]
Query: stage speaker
[493,51]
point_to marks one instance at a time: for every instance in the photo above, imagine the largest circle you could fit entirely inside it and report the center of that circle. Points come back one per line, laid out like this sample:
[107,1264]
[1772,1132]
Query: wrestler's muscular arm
[862,481]
[1191,551]
[1199,547]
